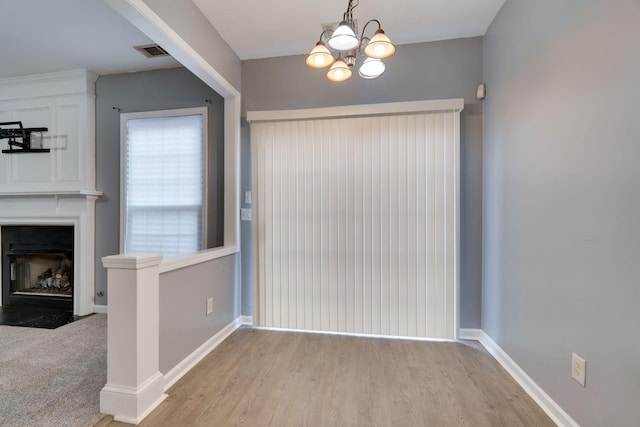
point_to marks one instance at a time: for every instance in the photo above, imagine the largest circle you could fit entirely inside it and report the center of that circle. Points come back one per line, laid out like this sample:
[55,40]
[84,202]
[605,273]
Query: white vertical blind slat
[365,129]
[421,226]
[394,228]
[357,224]
[308,225]
[412,229]
[385,226]
[431,224]
[374,229]
[403,237]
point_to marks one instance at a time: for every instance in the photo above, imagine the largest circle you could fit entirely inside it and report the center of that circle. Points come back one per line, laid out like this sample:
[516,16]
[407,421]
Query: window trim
[124,118]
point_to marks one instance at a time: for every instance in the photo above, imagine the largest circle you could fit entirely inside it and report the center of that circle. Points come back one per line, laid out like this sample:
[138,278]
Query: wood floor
[267,378]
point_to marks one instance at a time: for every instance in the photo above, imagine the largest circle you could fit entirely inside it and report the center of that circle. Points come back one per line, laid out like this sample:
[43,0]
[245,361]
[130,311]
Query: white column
[135,385]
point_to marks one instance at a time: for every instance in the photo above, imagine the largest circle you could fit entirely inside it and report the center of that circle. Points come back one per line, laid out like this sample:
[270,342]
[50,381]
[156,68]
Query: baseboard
[247,320]
[100,309]
[191,360]
[548,405]
[132,404]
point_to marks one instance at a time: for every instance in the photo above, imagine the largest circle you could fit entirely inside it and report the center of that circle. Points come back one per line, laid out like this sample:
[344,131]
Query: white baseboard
[100,309]
[548,405]
[198,354]
[132,404]
[247,320]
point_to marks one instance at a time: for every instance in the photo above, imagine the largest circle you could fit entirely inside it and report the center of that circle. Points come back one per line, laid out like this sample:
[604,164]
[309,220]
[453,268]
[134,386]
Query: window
[163,189]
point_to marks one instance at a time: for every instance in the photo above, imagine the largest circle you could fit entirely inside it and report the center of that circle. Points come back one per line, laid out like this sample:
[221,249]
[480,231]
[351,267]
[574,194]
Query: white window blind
[164,185]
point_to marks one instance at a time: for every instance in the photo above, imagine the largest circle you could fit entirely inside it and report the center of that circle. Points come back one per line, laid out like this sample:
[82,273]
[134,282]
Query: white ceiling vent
[151,50]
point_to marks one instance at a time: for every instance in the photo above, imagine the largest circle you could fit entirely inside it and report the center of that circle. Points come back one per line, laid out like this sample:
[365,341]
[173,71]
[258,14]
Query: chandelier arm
[323,33]
[362,37]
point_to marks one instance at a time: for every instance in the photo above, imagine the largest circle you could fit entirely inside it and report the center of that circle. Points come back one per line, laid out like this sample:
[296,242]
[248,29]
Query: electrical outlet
[578,369]
[209,306]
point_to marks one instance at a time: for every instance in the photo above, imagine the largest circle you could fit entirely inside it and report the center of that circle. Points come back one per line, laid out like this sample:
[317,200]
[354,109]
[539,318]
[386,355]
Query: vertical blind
[356,222]
[164,185]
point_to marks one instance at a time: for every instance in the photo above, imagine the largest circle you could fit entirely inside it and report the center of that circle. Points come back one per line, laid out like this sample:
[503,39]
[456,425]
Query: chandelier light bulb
[371,68]
[343,38]
[319,57]
[379,46]
[339,71]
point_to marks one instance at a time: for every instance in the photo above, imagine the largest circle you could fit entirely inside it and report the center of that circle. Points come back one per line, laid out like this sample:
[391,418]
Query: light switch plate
[245,214]
[247,197]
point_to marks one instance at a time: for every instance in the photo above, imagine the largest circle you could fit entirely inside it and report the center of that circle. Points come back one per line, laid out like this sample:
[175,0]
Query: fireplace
[37,266]
[54,189]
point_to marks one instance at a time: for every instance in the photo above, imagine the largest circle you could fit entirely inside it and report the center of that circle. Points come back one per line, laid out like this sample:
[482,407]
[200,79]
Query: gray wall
[183,331]
[562,199]
[423,71]
[148,91]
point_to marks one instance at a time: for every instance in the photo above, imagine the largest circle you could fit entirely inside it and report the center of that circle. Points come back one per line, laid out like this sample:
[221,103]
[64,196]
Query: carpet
[53,377]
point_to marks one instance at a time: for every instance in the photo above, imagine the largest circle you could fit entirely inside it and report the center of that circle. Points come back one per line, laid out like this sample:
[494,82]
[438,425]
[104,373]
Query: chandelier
[346,43]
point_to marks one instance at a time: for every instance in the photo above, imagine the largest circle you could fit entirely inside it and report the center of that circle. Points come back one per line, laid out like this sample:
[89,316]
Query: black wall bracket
[20,138]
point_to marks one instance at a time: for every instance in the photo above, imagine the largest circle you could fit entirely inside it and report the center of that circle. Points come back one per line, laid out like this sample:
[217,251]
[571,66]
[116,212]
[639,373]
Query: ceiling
[287,27]
[42,36]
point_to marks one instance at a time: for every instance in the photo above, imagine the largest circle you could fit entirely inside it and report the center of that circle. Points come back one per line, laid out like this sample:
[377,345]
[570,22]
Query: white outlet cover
[245,214]
[209,306]
[578,369]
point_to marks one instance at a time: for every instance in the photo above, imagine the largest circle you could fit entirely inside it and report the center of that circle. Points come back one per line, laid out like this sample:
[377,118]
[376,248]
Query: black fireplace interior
[37,267]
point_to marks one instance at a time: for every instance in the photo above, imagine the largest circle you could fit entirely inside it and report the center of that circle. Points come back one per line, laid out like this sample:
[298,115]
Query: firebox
[37,266]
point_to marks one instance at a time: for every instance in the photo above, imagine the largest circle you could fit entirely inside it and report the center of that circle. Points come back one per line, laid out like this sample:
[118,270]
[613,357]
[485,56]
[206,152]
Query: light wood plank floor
[267,378]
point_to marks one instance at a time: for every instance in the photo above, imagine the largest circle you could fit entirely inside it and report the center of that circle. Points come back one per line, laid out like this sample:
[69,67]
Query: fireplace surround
[73,211]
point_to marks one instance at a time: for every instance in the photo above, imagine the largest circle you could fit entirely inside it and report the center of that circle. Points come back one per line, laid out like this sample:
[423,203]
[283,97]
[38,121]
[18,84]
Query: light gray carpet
[53,377]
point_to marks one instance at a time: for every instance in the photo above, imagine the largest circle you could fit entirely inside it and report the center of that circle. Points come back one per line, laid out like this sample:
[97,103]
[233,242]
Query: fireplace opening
[37,266]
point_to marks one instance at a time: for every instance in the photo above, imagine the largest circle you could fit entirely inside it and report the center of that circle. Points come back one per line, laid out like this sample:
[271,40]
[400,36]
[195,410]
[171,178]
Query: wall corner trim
[247,320]
[198,354]
[548,405]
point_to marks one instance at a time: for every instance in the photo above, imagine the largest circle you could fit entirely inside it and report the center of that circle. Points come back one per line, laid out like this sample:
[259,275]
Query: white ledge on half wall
[197,258]
[79,193]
